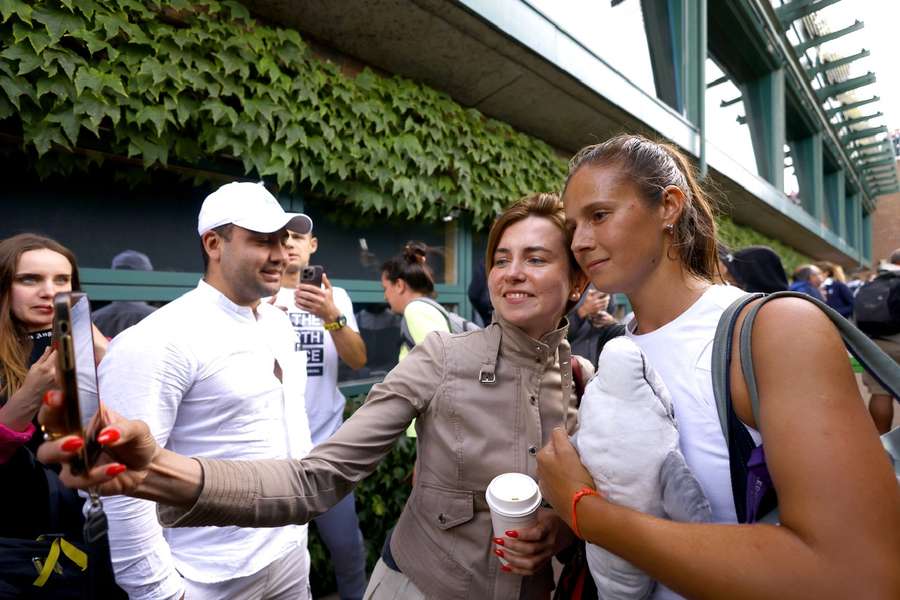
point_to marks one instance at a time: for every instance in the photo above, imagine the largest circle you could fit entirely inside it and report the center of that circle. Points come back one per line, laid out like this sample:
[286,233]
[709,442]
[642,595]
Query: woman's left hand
[529,549]
[561,474]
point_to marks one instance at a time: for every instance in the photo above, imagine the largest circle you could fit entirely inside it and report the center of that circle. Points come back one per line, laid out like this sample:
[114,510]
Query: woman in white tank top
[643,226]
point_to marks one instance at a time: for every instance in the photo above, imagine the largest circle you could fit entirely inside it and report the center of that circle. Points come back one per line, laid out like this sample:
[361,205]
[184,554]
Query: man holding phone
[215,373]
[322,316]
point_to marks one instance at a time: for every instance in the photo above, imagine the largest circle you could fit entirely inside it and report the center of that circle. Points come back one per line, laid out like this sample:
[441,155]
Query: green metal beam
[845,107]
[834,64]
[808,165]
[868,146]
[798,9]
[845,86]
[851,204]
[862,134]
[716,82]
[869,149]
[859,120]
[835,190]
[764,100]
[818,41]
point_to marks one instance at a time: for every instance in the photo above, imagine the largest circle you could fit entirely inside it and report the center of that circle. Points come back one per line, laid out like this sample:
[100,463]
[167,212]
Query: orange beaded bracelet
[585,491]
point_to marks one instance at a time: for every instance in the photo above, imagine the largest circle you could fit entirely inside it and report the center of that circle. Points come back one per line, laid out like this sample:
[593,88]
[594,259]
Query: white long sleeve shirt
[201,372]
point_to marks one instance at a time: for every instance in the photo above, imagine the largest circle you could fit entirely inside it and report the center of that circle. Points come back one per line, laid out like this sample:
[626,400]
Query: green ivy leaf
[66,59]
[43,135]
[90,106]
[58,86]
[57,22]
[15,88]
[20,9]
[69,122]
[157,115]
[220,111]
[28,60]
[90,39]
[6,108]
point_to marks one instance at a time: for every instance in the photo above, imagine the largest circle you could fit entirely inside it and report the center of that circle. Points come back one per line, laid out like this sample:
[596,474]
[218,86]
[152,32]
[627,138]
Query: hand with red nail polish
[73,444]
[529,549]
[498,541]
[108,436]
[115,469]
[506,569]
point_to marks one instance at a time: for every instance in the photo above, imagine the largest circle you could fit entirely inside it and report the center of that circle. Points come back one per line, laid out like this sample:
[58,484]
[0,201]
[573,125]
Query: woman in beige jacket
[484,402]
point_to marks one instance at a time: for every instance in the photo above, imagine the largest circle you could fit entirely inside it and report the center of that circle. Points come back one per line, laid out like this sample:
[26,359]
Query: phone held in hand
[312,275]
[73,337]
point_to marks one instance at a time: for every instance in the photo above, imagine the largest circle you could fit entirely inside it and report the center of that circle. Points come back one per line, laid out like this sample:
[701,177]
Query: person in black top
[33,269]
[756,269]
[117,316]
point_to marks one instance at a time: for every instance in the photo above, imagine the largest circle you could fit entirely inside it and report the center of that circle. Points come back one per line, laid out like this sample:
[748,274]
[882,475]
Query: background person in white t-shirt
[326,331]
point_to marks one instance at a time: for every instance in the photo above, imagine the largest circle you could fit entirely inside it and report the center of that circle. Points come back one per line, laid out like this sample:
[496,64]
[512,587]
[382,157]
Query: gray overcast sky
[880,35]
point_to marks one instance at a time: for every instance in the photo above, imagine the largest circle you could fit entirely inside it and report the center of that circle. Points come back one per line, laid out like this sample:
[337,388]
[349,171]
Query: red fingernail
[108,436]
[72,444]
[50,396]
[506,568]
[499,552]
[115,469]
[498,541]
[512,533]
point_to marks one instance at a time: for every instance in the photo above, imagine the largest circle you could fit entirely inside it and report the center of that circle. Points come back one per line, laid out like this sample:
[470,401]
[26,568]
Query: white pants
[285,579]
[388,584]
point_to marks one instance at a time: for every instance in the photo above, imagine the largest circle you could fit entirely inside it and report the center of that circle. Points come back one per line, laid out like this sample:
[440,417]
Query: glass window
[380,330]
[723,127]
[97,216]
[613,33]
[354,248]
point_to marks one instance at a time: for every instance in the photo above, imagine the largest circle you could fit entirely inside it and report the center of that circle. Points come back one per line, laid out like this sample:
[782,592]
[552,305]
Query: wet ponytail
[411,265]
[652,167]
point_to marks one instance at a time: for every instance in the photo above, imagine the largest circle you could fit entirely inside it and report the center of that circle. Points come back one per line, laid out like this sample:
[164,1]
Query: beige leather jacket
[485,403]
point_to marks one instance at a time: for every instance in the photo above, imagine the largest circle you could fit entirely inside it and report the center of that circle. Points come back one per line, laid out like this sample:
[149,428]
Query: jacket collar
[519,346]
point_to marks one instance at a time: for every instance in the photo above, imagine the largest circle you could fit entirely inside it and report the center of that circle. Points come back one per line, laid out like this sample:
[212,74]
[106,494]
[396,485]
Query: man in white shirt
[326,331]
[214,373]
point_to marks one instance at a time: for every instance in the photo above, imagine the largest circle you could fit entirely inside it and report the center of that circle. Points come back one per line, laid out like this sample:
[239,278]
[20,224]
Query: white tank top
[681,352]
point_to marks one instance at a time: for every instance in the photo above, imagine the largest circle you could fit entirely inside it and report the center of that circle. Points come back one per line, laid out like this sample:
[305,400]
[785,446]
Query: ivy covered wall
[202,84]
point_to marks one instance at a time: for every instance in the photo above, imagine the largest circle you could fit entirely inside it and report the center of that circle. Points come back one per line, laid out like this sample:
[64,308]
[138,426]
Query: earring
[575,295]
[670,228]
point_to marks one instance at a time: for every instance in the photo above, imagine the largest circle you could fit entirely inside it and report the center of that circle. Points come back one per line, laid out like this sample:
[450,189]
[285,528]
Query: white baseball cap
[251,206]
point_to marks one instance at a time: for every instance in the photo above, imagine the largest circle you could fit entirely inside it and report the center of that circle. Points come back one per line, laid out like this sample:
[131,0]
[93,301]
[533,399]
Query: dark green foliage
[738,236]
[203,82]
[379,500]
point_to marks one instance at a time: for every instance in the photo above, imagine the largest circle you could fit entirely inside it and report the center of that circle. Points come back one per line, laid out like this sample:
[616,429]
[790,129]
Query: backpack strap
[405,334]
[872,358]
[721,359]
[881,366]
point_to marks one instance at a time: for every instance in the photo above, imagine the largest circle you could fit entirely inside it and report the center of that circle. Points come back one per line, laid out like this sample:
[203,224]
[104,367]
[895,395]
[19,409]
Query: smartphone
[312,275]
[73,338]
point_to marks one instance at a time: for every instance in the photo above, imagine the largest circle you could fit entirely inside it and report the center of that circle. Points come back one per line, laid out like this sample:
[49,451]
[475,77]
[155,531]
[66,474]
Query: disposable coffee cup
[513,499]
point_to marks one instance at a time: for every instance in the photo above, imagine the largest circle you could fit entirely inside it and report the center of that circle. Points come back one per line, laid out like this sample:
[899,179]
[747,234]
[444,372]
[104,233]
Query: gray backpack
[455,322]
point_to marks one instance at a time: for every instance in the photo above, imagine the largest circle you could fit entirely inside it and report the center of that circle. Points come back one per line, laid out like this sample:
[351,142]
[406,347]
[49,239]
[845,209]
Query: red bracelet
[585,491]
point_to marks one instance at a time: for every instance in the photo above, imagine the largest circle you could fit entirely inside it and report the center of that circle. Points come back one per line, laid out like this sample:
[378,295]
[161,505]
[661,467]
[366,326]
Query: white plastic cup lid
[513,494]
